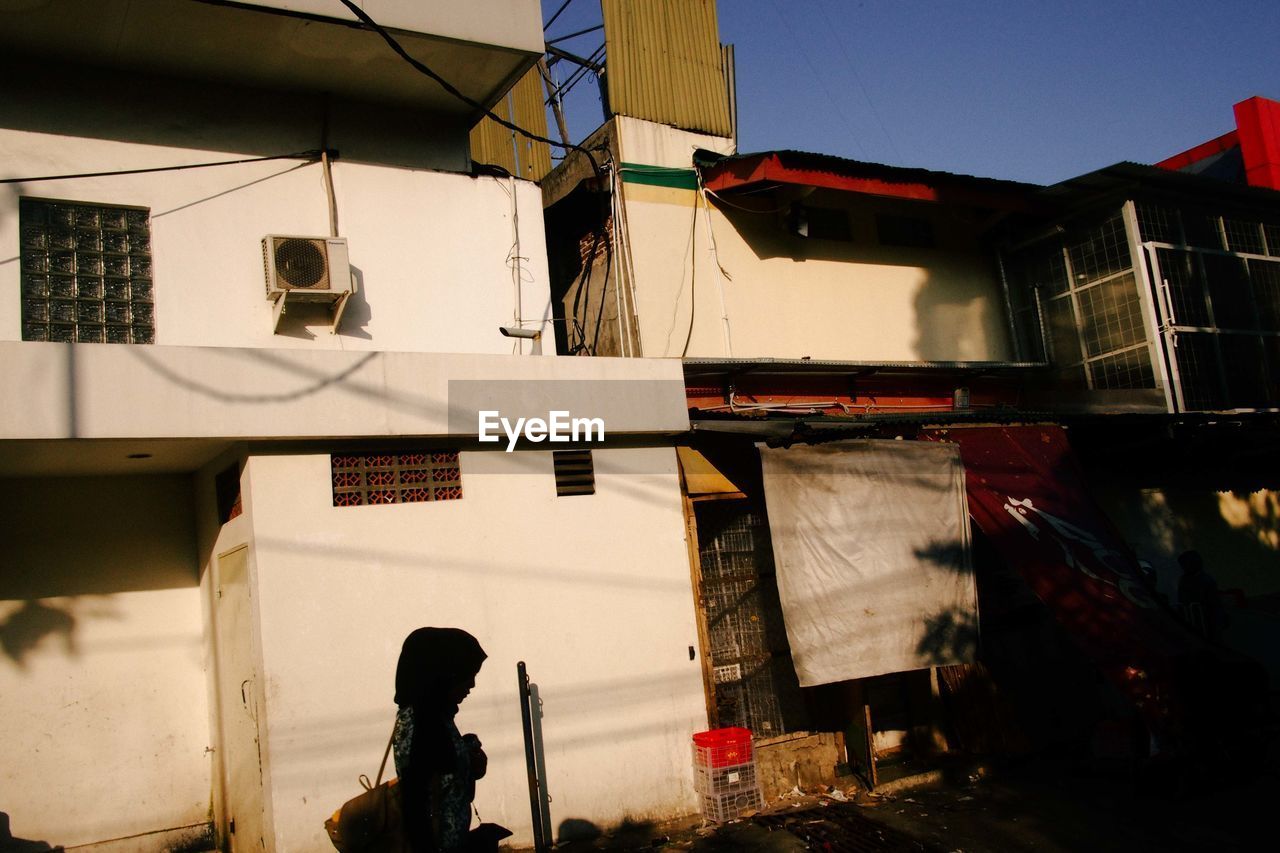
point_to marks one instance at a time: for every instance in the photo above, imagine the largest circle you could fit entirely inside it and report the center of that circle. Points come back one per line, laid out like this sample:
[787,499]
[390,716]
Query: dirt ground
[1047,806]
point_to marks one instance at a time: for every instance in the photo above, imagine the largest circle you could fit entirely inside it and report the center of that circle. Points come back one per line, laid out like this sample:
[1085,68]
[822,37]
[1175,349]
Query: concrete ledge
[89,391]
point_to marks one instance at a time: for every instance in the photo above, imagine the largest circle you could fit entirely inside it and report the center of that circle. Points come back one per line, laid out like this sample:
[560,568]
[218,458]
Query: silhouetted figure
[1198,597]
[9,844]
[437,766]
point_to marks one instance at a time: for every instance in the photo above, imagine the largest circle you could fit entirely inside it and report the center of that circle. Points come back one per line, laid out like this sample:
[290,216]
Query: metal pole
[526,720]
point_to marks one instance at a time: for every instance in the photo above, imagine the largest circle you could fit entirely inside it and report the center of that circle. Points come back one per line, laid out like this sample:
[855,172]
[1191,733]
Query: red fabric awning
[1027,495]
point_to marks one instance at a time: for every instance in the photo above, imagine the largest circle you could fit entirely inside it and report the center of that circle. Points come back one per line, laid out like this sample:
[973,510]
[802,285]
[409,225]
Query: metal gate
[755,682]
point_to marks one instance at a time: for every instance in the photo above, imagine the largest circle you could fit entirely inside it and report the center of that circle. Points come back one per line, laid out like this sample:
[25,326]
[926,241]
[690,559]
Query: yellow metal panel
[530,111]
[495,145]
[664,63]
[701,477]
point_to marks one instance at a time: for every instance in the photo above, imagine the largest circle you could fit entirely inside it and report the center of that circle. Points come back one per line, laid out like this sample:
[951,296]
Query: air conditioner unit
[307,269]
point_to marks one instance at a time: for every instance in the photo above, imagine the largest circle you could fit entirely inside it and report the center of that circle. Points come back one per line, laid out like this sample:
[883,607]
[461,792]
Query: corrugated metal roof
[494,145]
[855,365]
[845,167]
[1128,173]
[711,367]
[665,63]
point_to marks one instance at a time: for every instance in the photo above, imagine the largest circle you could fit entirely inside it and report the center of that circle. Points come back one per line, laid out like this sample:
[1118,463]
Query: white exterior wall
[654,144]
[102,675]
[592,592]
[107,391]
[433,251]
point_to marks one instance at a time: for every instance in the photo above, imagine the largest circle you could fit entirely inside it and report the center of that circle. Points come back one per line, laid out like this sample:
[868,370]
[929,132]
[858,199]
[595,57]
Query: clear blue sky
[1033,91]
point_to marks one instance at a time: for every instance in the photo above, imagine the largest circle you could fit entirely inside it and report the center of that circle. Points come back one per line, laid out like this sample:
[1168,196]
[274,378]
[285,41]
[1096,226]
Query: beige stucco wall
[102,673]
[592,592]
[434,252]
[791,297]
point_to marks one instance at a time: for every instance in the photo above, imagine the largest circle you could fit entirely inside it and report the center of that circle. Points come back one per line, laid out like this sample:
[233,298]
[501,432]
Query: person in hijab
[437,766]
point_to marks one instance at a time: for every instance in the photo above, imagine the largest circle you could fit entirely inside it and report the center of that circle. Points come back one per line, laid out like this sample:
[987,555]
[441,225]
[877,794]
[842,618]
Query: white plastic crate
[722,780]
[731,805]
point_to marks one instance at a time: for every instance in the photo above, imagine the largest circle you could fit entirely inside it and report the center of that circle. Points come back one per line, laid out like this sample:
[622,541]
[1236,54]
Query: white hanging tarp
[871,542]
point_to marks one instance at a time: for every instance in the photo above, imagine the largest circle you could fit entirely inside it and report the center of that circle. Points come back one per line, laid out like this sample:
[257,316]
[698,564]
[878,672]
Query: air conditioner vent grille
[302,264]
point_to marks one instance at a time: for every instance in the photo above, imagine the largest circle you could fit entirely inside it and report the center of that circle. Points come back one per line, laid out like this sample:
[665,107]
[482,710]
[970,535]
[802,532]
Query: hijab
[431,660]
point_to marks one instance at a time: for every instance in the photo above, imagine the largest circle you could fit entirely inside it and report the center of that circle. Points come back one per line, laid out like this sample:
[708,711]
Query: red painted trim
[1258,122]
[1202,151]
[873,394]
[769,168]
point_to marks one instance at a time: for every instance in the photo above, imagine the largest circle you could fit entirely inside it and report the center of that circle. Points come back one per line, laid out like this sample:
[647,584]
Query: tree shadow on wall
[950,635]
[27,627]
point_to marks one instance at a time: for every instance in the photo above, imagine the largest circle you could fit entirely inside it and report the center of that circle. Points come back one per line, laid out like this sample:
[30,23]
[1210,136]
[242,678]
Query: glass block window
[85,273]
[360,479]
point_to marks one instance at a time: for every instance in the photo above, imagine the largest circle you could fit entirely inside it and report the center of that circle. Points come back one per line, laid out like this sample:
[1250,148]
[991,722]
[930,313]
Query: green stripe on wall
[659,176]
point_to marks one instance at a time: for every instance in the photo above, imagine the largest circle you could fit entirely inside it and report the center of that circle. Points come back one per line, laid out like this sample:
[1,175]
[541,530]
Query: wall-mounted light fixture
[534,335]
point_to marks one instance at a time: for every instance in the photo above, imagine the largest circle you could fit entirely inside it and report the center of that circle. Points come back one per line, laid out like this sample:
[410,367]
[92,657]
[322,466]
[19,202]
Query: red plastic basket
[722,747]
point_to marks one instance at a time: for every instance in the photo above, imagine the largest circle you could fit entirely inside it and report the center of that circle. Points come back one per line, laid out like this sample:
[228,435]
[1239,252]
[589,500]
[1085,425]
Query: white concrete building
[200,612]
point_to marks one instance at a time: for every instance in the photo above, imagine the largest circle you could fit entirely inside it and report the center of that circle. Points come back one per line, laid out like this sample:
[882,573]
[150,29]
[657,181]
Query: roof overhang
[783,168]
[1125,180]
[709,369]
[292,45]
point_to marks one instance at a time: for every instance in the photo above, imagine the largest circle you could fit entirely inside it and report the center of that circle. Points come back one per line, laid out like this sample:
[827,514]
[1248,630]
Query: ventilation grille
[298,263]
[575,473]
[363,479]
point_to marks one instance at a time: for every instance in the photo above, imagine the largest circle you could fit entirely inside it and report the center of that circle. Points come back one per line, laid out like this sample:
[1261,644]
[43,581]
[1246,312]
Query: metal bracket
[277,311]
[337,306]
[335,312]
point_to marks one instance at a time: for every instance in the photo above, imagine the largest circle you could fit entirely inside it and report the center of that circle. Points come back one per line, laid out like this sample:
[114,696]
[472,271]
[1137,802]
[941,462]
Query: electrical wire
[454,91]
[563,6]
[715,255]
[312,155]
[693,276]
[728,203]
[822,81]
[831,28]
[579,73]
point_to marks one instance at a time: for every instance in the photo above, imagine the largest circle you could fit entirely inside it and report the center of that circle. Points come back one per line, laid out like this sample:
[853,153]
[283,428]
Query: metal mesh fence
[1198,369]
[1130,369]
[1112,315]
[756,685]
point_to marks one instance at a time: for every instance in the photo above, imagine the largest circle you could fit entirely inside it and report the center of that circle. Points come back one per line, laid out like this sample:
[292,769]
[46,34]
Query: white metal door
[238,710]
